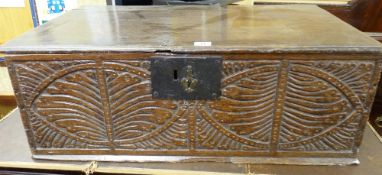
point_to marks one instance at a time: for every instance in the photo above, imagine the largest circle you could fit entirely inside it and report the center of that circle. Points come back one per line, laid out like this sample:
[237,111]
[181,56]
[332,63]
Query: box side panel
[373,85]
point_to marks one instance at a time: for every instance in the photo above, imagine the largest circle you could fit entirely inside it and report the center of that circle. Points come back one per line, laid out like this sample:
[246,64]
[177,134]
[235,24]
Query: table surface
[15,153]
[264,28]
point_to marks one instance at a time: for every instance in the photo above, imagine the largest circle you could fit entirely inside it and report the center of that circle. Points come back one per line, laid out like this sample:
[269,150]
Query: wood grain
[260,29]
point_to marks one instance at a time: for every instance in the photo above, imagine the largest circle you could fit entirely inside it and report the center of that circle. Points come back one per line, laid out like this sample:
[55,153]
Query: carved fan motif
[70,112]
[320,112]
[140,121]
[244,112]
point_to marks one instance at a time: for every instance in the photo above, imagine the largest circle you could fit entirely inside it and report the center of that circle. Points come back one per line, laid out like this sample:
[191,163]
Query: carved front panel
[266,106]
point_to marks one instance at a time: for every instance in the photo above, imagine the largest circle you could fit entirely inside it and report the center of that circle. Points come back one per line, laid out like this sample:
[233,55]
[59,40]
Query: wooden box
[263,84]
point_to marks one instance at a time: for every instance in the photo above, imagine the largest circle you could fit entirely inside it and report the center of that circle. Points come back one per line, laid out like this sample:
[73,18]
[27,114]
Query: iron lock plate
[186,78]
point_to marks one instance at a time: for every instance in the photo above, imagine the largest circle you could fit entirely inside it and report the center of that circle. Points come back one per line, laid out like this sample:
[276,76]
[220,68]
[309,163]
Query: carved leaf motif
[69,112]
[140,121]
[318,110]
[245,109]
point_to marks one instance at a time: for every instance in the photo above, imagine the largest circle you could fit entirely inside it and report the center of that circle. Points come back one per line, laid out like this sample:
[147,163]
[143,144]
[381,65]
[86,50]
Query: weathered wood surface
[298,28]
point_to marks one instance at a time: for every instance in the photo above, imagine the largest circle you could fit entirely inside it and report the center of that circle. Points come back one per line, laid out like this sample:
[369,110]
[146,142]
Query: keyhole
[378,121]
[188,83]
[175,74]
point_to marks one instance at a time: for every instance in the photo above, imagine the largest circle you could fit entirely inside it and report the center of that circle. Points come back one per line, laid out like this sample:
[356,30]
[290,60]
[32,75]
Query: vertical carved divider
[192,126]
[280,97]
[105,102]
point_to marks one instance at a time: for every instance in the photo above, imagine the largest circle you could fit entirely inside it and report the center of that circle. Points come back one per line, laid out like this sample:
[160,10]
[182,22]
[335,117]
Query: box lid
[264,29]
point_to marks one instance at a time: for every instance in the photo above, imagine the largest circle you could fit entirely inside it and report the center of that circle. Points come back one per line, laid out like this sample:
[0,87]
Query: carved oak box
[264,84]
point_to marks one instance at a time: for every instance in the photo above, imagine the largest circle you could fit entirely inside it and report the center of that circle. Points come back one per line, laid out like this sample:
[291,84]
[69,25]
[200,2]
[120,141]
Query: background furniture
[366,15]
[14,21]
